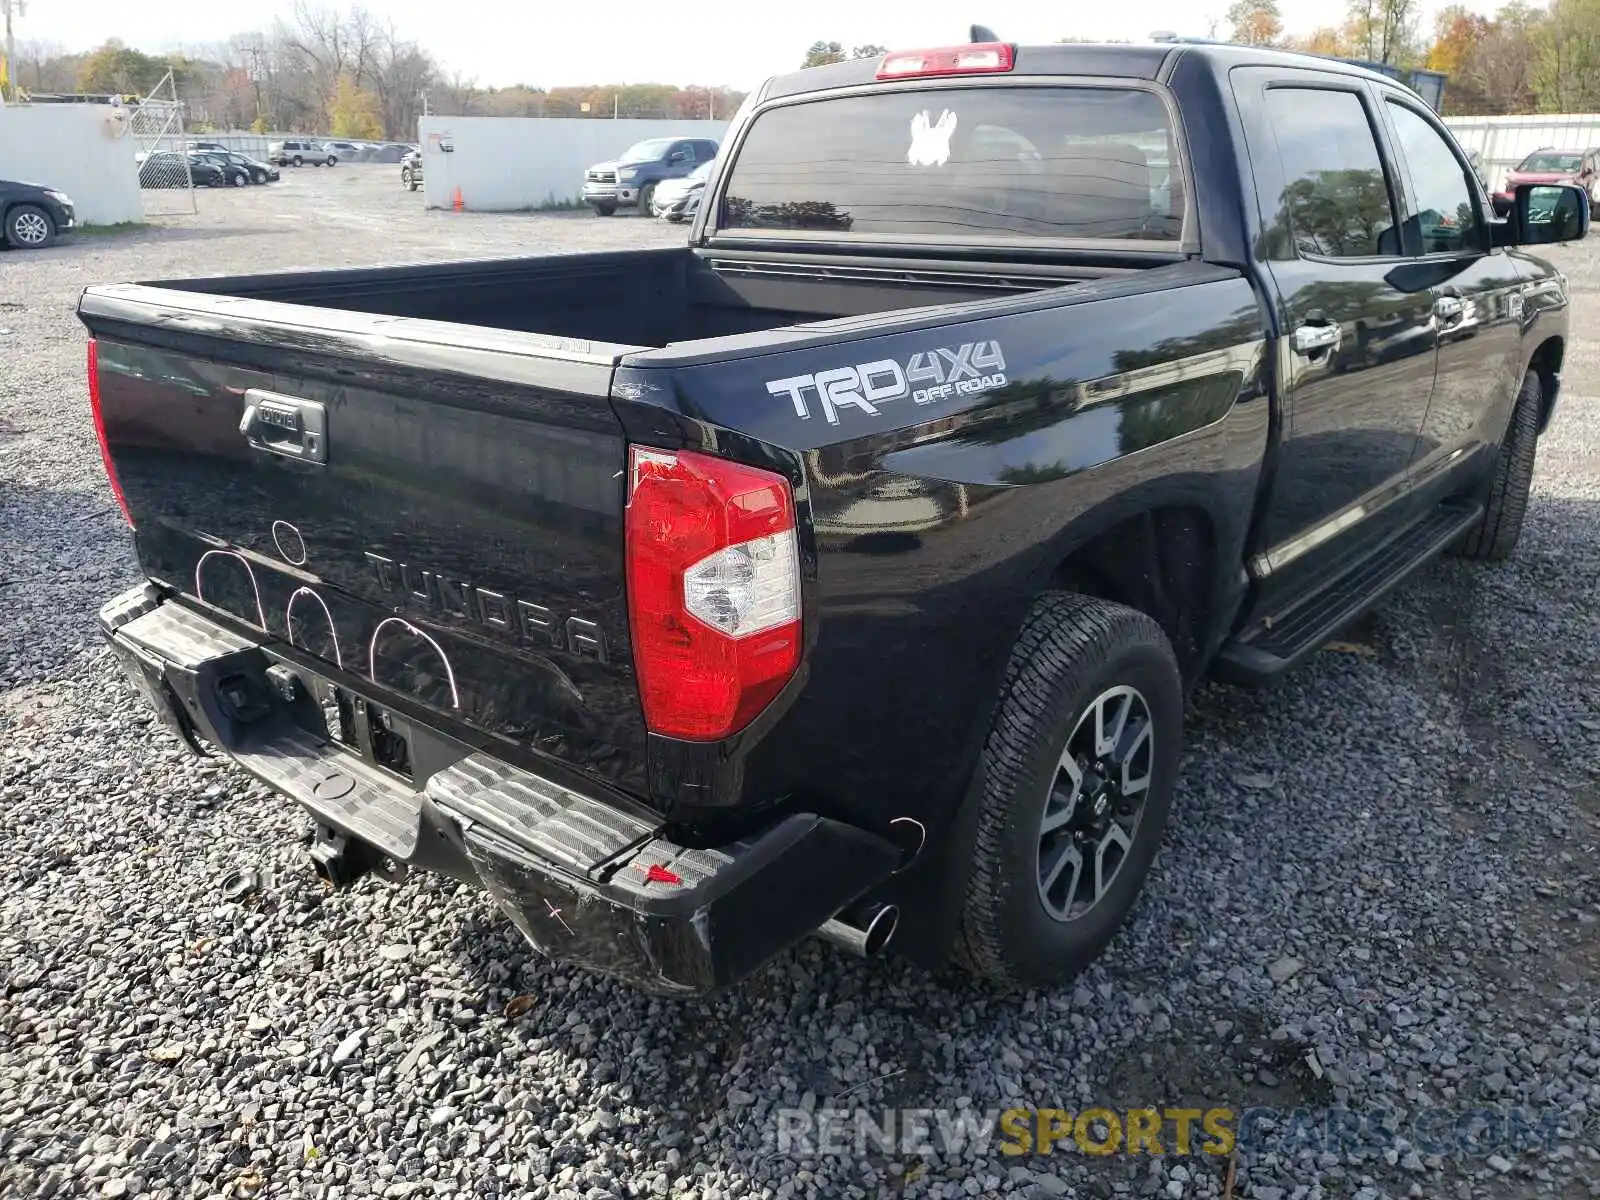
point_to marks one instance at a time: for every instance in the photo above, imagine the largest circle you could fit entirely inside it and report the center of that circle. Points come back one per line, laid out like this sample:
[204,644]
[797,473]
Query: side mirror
[1544,213]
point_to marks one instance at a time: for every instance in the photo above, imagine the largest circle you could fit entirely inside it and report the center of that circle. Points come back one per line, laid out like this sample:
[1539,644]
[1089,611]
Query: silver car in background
[677,199]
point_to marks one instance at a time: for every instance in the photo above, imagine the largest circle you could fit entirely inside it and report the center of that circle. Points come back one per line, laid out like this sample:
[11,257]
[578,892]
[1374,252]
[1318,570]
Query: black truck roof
[1107,60]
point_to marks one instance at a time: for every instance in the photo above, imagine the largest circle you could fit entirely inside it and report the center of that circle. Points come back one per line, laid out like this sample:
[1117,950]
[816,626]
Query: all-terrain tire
[1071,650]
[1505,502]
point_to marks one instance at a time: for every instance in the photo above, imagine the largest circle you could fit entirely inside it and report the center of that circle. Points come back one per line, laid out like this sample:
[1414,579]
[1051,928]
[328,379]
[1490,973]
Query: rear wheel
[296,160]
[1073,789]
[240,179]
[1505,504]
[29,227]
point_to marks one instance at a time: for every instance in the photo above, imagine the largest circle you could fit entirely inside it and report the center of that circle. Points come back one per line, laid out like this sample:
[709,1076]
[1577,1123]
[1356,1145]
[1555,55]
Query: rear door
[1357,351]
[430,513]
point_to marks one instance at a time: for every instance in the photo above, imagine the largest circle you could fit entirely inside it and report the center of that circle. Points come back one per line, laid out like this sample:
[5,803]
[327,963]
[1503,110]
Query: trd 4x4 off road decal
[927,376]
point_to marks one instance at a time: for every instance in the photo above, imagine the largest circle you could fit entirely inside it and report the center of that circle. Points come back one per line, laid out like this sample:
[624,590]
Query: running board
[1265,651]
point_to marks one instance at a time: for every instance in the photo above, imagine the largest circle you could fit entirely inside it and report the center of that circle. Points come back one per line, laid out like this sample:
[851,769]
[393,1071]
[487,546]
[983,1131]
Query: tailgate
[433,511]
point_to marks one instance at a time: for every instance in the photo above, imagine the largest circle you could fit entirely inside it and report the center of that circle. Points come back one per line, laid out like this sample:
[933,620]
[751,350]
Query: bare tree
[292,76]
[1255,22]
[1566,61]
[314,44]
[44,66]
[1383,30]
[362,37]
[402,72]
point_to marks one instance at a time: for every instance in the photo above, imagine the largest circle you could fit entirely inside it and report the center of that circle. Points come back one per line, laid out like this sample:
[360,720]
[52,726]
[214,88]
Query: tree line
[1523,59]
[342,72]
[348,73]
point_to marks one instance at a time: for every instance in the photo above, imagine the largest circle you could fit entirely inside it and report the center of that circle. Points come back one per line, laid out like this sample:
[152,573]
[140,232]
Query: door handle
[285,425]
[1313,339]
[1449,309]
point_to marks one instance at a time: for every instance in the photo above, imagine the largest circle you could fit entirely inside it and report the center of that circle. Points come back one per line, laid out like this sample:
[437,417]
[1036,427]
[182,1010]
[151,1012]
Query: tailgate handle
[286,425]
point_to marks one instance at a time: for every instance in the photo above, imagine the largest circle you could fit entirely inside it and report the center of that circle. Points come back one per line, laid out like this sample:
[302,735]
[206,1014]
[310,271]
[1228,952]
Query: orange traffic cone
[456,201]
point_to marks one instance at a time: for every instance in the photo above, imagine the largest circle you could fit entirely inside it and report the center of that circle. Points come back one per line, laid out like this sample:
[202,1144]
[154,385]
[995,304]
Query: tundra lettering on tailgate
[927,376]
[494,610]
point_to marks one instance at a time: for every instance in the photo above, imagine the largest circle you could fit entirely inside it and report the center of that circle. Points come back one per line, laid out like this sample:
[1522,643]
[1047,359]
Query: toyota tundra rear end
[644,589]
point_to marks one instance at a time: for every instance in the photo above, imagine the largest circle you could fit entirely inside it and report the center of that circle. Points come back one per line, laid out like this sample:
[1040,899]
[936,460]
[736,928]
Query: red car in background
[1580,167]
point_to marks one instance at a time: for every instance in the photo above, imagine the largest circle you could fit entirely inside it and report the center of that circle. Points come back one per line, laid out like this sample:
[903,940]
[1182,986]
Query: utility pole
[21,10]
[255,79]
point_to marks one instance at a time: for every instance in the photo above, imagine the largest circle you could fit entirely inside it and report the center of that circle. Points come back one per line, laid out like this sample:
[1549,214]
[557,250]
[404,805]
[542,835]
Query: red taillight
[713,590]
[951,60]
[100,430]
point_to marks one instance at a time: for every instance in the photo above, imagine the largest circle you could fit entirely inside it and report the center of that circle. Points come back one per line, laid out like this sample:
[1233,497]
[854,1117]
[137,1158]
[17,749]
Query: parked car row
[300,152]
[633,178]
[206,168]
[376,152]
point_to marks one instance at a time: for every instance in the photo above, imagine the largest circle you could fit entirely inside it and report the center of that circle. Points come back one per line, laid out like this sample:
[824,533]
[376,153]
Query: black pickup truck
[845,568]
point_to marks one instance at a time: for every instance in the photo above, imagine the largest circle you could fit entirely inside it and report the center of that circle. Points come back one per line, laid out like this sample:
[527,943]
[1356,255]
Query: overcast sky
[501,42]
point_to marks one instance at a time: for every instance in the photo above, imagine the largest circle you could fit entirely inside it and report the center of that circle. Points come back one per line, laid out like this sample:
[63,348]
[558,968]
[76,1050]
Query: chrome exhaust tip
[864,931]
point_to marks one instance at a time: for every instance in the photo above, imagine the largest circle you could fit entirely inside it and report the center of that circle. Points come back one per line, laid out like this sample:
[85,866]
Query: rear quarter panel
[931,527]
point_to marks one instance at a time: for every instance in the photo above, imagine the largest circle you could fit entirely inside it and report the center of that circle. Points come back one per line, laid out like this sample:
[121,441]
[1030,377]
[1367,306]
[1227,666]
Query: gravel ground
[1381,888]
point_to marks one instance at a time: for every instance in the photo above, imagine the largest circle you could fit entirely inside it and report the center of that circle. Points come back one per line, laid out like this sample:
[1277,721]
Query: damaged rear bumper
[589,878]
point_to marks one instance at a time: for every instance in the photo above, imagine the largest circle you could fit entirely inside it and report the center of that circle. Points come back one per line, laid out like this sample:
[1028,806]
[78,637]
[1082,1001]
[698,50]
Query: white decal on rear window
[930,142]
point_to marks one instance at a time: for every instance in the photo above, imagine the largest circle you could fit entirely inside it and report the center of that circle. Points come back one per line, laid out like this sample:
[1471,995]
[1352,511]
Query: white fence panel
[510,164]
[1506,141]
[79,148]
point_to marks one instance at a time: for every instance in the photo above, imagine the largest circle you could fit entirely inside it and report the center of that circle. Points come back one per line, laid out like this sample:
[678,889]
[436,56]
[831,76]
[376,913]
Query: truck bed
[637,298]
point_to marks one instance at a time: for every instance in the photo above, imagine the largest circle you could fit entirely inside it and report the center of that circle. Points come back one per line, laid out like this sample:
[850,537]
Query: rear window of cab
[1079,163]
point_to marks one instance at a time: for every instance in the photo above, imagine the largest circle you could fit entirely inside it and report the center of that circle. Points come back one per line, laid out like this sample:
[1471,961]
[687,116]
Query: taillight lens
[713,590]
[100,430]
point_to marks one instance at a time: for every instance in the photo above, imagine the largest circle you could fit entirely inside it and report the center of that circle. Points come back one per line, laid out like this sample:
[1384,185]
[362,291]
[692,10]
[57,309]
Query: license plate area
[381,737]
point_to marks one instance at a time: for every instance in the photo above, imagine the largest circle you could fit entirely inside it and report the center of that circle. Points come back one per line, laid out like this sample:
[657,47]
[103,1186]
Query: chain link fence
[156,126]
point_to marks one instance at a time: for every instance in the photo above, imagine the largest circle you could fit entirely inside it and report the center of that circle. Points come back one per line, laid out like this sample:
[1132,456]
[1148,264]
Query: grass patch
[554,203]
[117,230]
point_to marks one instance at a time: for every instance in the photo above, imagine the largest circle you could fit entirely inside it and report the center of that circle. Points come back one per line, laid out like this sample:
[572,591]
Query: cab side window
[1335,200]
[1443,215]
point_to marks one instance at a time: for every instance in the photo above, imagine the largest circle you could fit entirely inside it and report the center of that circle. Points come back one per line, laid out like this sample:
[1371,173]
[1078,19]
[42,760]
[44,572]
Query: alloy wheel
[31,229]
[1096,797]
